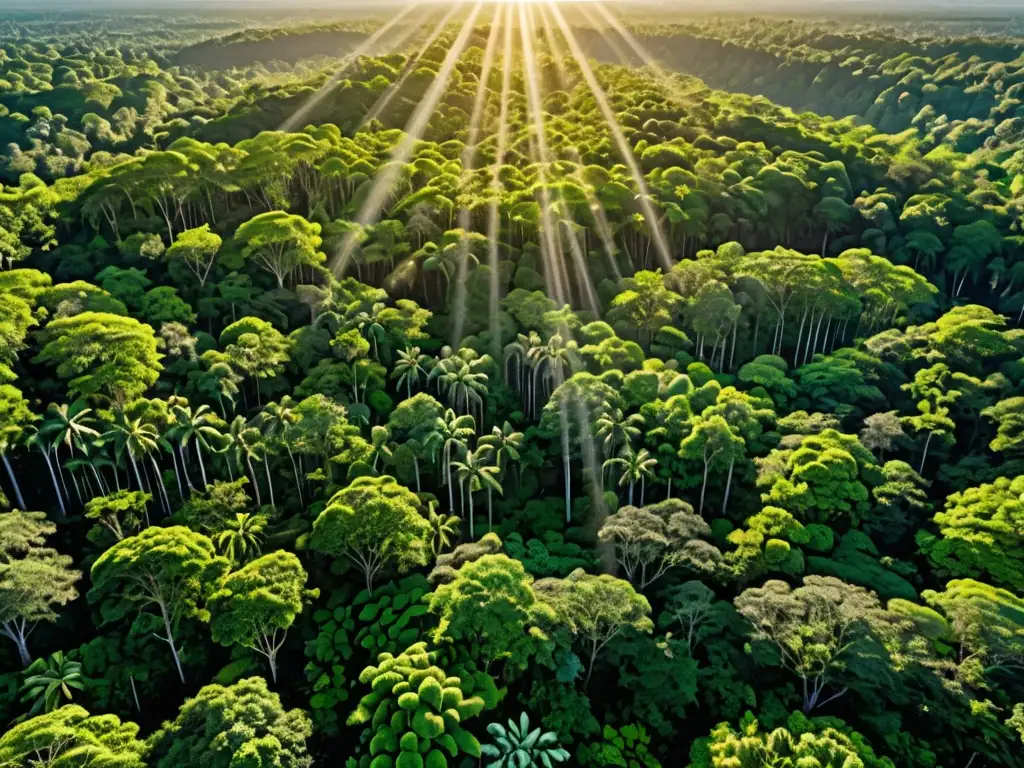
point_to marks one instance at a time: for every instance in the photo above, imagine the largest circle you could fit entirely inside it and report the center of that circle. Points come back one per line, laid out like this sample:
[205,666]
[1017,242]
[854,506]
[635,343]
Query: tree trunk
[728,486]
[14,481]
[202,467]
[163,488]
[177,474]
[272,658]
[450,483]
[184,467]
[255,485]
[295,471]
[799,337]
[703,487]
[270,482]
[924,455]
[138,479]
[590,664]
[472,534]
[56,485]
[17,634]
[170,641]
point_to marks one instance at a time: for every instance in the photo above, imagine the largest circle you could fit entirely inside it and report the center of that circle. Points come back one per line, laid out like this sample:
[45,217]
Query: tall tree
[281,243]
[34,579]
[595,609]
[197,250]
[651,540]
[170,570]
[822,630]
[257,604]
[242,724]
[376,524]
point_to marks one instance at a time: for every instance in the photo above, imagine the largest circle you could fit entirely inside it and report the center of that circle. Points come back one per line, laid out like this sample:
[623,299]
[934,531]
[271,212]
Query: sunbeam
[620,53]
[385,179]
[596,209]
[468,162]
[644,198]
[362,49]
[493,213]
[664,77]
[542,157]
[410,66]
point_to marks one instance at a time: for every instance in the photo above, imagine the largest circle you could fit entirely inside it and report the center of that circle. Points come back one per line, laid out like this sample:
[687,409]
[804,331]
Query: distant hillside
[289,45]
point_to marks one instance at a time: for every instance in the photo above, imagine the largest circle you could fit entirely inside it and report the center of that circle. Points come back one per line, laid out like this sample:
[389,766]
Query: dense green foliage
[468,402]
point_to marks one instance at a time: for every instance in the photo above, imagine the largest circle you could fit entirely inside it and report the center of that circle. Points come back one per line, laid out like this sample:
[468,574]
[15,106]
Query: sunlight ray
[386,178]
[620,53]
[663,75]
[468,162]
[410,66]
[581,412]
[496,186]
[650,215]
[299,116]
[597,210]
[539,147]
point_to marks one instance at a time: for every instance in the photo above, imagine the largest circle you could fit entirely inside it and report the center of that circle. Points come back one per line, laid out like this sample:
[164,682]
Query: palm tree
[138,439]
[614,430]
[275,418]
[475,475]
[443,529]
[462,383]
[242,537]
[408,368]
[227,382]
[506,444]
[44,446]
[522,351]
[90,459]
[450,434]
[200,425]
[636,467]
[557,355]
[48,683]
[68,425]
[242,444]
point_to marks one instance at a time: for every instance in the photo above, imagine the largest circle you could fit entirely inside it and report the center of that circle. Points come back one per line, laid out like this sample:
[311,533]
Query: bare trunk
[270,482]
[924,455]
[728,486]
[170,641]
[56,485]
[704,487]
[255,484]
[15,630]
[14,481]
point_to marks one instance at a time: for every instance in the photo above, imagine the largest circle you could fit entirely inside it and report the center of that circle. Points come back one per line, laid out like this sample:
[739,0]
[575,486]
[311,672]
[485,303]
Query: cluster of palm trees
[535,368]
[88,455]
[616,433]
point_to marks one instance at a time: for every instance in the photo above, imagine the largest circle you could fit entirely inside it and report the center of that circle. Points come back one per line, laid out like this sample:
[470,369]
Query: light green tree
[169,570]
[595,609]
[257,604]
[34,579]
[376,524]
